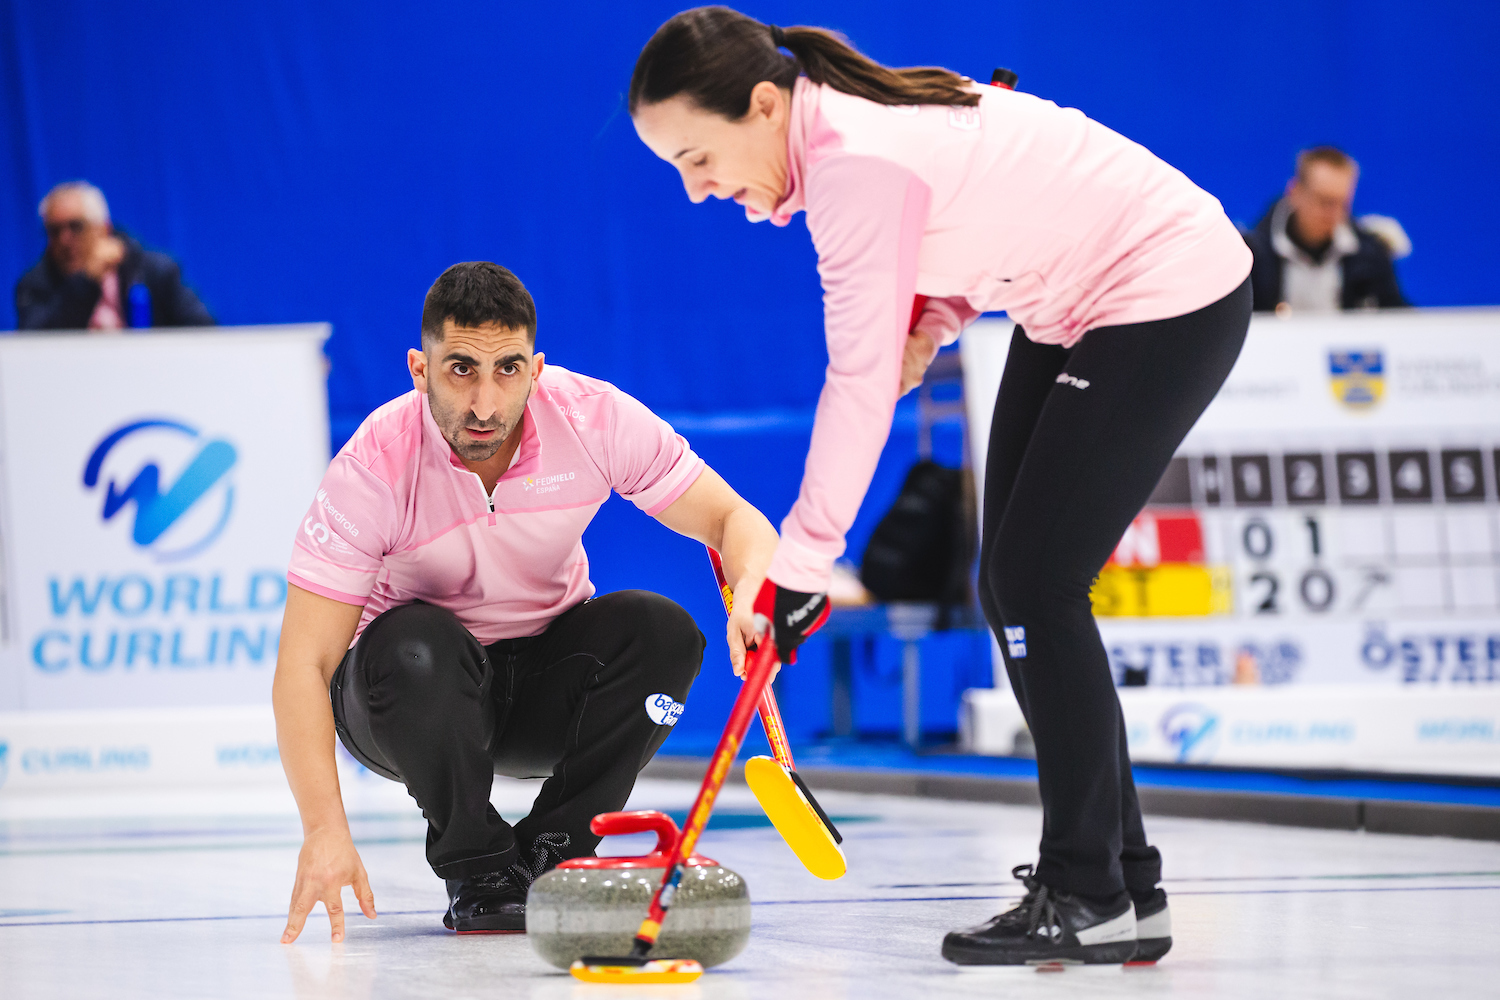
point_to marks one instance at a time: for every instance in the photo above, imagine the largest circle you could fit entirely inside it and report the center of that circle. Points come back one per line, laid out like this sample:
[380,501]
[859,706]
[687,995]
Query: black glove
[790,615]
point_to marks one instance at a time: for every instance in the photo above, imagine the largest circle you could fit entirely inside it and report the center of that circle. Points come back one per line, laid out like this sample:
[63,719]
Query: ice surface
[184,895]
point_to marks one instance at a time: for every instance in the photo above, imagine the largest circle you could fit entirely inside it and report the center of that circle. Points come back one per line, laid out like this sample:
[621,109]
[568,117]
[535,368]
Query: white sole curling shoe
[1153,929]
[1051,929]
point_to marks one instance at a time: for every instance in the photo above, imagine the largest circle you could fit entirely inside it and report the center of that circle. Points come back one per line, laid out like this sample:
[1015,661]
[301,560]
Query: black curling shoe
[1153,928]
[1047,928]
[494,902]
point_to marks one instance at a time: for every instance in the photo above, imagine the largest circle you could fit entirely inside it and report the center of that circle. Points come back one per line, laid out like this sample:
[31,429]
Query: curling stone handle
[639,821]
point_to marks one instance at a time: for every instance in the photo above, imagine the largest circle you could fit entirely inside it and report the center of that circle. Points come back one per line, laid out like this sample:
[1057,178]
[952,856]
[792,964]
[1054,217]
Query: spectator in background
[93,277]
[1310,256]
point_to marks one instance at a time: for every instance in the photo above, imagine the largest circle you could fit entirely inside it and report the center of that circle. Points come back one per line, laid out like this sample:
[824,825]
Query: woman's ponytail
[827,57]
[715,56]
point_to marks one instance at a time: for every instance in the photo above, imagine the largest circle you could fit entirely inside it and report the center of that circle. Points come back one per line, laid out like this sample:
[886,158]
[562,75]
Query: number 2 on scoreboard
[1267,605]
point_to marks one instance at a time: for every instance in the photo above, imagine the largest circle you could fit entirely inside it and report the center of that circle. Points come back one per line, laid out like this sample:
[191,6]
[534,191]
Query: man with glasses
[93,277]
[1310,256]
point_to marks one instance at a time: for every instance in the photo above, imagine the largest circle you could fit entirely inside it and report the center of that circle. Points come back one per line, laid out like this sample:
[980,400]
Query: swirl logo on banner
[157,513]
[1192,731]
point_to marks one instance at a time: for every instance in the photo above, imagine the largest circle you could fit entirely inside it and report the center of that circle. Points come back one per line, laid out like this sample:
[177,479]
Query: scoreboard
[1332,517]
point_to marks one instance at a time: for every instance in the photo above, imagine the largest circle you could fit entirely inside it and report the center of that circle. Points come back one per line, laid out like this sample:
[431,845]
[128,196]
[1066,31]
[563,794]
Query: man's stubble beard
[453,422]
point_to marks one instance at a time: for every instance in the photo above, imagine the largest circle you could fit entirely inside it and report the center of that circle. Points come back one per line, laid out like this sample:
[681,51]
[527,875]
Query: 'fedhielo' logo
[1357,377]
[1192,731]
[183,520]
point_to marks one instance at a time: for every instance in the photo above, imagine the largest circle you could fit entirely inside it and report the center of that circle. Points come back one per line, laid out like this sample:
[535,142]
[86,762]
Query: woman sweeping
[1129,288]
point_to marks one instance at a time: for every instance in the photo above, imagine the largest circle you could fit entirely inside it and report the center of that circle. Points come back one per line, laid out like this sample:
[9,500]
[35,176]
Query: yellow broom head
[800,822]
[656,971]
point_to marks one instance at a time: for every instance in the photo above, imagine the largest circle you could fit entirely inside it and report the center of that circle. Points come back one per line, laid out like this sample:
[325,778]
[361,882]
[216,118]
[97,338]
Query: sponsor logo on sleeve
[1015,641]
[337,517]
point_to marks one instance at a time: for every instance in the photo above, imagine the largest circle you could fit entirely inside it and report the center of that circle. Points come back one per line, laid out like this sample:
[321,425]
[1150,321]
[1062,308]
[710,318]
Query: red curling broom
[638,967]
[787,801]
[780,790]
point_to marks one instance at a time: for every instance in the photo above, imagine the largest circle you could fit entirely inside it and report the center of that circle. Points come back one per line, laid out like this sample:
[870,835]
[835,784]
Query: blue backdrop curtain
[325,161]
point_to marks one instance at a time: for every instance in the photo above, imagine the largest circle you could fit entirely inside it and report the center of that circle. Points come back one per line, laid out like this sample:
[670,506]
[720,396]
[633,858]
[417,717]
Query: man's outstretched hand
[328,862]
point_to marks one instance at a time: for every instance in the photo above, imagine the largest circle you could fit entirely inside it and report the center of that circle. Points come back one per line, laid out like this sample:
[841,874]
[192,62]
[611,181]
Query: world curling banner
[1332,518]
[151,485]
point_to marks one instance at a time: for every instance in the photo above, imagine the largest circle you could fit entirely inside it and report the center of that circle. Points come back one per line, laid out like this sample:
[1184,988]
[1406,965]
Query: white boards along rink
[1333,519]
[150,488]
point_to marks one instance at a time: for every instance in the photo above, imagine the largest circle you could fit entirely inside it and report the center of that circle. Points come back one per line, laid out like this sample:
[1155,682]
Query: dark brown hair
[715,56]
[477,293]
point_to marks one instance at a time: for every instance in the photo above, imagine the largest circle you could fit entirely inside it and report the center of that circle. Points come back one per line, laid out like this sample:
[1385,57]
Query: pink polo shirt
[398,517]
[1016,204]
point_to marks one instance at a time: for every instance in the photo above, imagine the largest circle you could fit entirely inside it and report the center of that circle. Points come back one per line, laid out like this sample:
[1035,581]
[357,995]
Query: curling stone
[594,906]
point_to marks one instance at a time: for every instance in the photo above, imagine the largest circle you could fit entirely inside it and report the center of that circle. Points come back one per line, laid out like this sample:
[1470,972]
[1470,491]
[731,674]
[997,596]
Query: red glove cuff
[765,601]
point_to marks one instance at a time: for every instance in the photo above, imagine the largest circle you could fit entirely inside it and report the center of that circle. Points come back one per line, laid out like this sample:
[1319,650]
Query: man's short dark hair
[477,293]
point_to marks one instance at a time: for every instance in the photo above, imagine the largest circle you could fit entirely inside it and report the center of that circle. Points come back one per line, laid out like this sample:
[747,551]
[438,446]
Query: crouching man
[446,545]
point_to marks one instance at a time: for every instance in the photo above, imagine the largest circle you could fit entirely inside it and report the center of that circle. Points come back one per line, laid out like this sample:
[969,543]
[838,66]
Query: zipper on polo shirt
[489,498]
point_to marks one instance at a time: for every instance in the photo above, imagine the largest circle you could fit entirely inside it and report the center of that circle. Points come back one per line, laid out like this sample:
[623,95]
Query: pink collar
[799,131]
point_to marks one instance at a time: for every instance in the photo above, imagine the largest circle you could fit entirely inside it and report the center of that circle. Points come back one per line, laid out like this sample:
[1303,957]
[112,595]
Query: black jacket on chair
[1369,277]
[48,299]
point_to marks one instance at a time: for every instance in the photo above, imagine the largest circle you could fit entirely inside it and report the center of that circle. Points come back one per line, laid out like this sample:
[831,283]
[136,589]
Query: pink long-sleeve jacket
[1016,204]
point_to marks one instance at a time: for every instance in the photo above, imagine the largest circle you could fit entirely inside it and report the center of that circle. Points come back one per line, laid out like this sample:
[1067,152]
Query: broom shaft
[762,661]
[770,719]
[770,712]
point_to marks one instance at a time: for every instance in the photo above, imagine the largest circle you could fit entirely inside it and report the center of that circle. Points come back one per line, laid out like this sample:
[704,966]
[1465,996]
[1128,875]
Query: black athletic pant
[1079,440]
[419,700]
